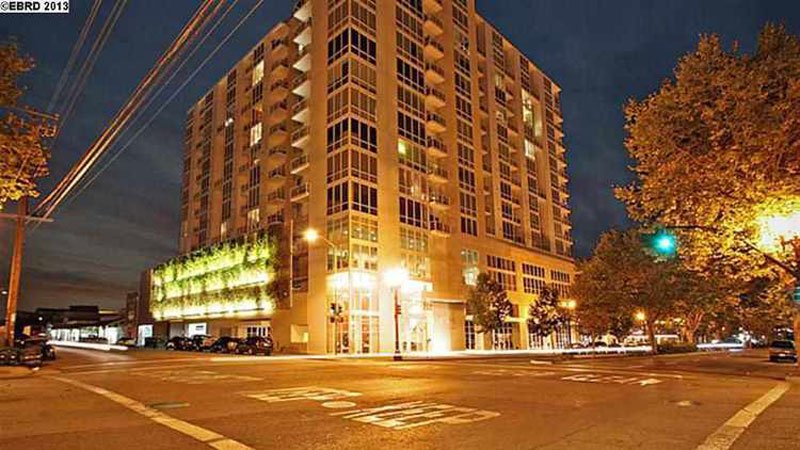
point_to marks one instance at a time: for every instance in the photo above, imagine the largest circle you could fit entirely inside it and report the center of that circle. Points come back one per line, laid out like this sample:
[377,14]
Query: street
[89,399]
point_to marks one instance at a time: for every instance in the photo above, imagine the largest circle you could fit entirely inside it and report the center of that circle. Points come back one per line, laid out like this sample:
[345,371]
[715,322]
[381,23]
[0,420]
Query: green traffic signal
[662,243]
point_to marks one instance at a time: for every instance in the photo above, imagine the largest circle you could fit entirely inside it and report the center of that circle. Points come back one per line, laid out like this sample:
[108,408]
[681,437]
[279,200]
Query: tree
[545,313]
[488,304]
[622,278]
[704,296]
[736,116]
[279,286]
[23,131]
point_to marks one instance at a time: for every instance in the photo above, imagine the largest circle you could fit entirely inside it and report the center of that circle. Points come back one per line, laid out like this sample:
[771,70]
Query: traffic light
[398,310]
[662,242]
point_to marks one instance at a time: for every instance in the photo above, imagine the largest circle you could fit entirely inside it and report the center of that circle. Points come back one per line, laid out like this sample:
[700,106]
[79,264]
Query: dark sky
[601,52]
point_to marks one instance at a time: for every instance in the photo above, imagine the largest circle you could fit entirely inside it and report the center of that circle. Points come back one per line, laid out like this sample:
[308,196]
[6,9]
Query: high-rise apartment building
[409,134]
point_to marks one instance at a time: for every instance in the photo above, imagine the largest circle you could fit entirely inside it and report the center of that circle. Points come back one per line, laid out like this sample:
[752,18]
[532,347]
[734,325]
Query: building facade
[409,134]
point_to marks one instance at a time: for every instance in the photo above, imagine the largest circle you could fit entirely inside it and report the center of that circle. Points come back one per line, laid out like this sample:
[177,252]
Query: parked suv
[225,344]
[256,345]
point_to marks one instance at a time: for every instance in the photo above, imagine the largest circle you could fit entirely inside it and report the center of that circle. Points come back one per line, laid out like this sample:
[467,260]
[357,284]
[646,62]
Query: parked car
[127,341]
[34,344]
[225,344]
[154,342]
[782,349]
[179,343]
[202,342]
[256,345]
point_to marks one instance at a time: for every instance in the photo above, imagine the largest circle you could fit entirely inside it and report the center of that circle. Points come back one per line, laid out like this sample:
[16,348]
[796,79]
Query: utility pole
[16,269]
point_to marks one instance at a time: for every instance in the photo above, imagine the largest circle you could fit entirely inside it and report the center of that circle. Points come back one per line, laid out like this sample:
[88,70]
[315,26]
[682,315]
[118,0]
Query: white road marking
[201,434]
[512,373]
[588,369]
[724,437]
[194,376]
[610,379]
[404,416]
[321,394]
[338,405]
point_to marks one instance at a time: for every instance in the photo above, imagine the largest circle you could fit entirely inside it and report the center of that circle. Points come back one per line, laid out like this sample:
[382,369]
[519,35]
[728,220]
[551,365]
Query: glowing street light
[310,235]
[395,278]
[640,316]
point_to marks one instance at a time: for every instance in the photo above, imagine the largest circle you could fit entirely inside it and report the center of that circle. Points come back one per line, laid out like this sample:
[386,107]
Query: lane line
[724,437]
[201,434]
[674,376]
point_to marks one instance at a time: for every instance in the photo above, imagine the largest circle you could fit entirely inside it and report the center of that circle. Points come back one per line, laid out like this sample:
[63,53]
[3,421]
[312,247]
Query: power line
[167,102]
[129,109]
[88,64]
[76,50]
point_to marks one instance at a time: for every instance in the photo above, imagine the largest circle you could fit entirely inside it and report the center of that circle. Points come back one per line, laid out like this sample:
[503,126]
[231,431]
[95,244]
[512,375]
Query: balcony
[299,164]
[275,201]
[277,113]
[278,91]
[276,177]
[300,111]
[300,192]
[276,157]
[433,26]
[433,50]
[434,98]
[302,85]
[436,148]
[435,124]
[303,36]
[300,137]
[431,6]
[277,135]
[434,74]
[302,10]
[438,201]
[438,228]
[303,63]
[437,174]
[280,69]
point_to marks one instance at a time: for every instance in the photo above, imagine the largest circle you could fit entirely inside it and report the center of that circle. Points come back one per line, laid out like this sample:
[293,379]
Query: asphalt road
[153,400]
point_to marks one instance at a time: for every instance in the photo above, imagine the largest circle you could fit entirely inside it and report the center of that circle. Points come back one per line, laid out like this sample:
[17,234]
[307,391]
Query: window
[412,212]
[411,128]
[365,257]
[364,228]
[469,335]
[255,134]
[469,266]
[364,166]
[338,198]
[258,73]
[365,199]
[410,75]
[469,226]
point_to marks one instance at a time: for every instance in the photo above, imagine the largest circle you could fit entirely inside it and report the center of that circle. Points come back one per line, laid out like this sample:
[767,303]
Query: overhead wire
[73,56]
[175,93]
[82,76]
[101,144]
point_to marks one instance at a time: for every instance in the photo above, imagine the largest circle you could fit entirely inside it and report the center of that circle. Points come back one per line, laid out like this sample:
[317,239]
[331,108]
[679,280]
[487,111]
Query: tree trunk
[692,324]
[651,335]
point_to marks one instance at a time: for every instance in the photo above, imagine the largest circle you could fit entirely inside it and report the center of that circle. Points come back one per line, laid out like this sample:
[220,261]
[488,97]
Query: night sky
[600,52]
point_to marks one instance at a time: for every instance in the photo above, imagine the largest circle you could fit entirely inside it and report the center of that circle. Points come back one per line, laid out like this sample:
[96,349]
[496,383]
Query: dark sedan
[782,350]
[225,344]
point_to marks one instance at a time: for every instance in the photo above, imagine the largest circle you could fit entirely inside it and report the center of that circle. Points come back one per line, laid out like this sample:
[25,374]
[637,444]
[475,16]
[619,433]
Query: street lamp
[311,235]
[640,316]
[395,278]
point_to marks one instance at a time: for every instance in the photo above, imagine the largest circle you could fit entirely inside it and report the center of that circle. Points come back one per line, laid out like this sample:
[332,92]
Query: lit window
[258,73]
[255,134]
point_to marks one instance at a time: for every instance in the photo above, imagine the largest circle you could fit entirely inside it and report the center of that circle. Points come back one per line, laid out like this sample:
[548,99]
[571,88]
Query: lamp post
[569,305]
[395,278]
[311,236]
